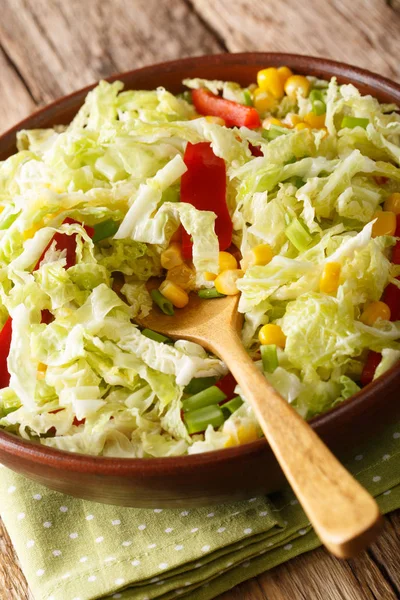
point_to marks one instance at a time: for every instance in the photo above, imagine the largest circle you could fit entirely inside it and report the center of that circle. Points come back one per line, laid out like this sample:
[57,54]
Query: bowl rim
[12,444]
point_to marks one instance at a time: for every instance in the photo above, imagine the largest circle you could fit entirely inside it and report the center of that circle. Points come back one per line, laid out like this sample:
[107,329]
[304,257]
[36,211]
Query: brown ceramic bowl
[223,475]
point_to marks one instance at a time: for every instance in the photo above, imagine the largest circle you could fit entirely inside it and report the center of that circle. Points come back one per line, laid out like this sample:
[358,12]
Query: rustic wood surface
[52,47]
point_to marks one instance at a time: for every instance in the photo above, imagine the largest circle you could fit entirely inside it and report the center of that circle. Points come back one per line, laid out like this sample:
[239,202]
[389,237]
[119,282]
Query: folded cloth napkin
[72,549]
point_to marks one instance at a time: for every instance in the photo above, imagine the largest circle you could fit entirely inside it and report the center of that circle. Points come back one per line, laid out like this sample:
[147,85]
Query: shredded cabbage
[87,380]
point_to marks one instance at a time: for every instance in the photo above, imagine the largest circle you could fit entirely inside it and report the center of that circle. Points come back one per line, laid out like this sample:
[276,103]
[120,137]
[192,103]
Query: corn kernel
[263,101]
[392,203]
[259,255]
[374,311]
[226,261]
[297,83]
[316,121]
[300,126]
[216,120]
[41,371]
[239,433]
[272,334]
[329,281]
[292,119]
[183,275]
[172,256]
[174,293]
[209,276]
[385,223]
[225,283]
[269,80]
[272,121]
[284,73]
[1,209]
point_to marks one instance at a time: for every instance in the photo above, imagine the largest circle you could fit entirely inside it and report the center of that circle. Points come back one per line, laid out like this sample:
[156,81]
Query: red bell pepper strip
[391,297]
[233,113]
[396,253]
[204,186]
[255,150]
[47,317]
[397,232]
[65,242]
[227,385]
[373,360]
[5,342]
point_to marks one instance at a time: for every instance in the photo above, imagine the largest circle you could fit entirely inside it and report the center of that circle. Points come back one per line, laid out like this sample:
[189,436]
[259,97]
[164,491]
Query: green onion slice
[157,337]
[269,357]
[317,101]
[198,420]
[211,395]
[104,230]
[352,122]
[247,98]
[210,293]
[165,305]
[298,235]
[230,407]
[273,132]
[198,384]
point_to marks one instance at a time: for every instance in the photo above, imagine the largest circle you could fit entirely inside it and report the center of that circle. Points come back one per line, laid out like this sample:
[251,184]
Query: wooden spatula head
[200,321]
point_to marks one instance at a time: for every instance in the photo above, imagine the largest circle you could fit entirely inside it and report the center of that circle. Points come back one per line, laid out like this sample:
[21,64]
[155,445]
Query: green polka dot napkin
[77,550]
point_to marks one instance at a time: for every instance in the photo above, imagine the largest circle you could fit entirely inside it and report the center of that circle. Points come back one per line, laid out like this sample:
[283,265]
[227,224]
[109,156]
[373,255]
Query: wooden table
[51,47]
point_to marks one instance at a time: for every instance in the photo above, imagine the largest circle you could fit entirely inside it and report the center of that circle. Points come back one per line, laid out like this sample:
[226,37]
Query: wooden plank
[16,100]
[13,585]
[361,32]
[62,46]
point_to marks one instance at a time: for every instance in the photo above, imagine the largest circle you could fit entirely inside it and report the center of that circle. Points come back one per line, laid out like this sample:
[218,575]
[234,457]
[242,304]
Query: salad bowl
[232,473]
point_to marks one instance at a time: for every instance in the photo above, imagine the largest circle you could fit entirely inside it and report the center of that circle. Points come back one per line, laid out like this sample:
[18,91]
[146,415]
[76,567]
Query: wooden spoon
[343,514]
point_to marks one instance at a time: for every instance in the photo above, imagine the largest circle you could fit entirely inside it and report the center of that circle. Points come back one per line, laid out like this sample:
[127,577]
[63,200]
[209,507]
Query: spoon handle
[344,515]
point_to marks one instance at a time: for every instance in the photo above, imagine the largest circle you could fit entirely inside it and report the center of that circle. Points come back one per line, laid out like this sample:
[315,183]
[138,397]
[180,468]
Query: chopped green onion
[165,305]
[211,293]
[157,337]
[269,357]
[298,235]
[198,420]
[317,101]
[211,395]
[319,107]
[351,122]
[230,407]
[104,230]
[247,98]
[316,95]
[198,384]
[273,132]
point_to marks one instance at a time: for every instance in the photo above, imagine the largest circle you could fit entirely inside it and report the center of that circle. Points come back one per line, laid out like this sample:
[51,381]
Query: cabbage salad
[286,191]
